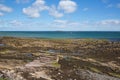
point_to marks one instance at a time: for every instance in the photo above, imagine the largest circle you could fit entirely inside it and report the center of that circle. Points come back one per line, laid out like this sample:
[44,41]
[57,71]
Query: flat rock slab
[35,63]
[42,61]
[41,74]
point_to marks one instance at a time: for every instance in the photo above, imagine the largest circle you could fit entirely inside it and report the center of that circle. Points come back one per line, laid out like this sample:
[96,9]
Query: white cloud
[105,1]
[1,1]
[16,23]
[60,21]
[65,6]
[58,24]
[64,23]
[1,14]
[113,5]
[2,22]
[54,12]
[22,1]
[91,24]
[85,9]
[4,9]
[118,5]
[68,6]
[110,6]
[35,9]
[31,12]
[110,22]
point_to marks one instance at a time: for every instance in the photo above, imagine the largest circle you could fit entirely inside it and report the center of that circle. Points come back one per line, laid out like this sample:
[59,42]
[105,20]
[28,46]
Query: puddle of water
[53,51]
[2,44]
[29,55]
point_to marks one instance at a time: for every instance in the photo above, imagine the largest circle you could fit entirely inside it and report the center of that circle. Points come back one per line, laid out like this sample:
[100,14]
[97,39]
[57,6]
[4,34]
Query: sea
[113,35]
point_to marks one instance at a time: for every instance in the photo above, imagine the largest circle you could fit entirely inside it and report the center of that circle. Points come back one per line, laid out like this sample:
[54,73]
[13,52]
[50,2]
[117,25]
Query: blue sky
[66,15]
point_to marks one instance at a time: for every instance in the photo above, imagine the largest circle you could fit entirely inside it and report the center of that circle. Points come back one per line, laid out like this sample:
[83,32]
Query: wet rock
[53,51]
[29,55]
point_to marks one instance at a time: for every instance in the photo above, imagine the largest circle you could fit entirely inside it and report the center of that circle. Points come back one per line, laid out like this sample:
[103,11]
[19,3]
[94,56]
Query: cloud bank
[4,9]
[64,7]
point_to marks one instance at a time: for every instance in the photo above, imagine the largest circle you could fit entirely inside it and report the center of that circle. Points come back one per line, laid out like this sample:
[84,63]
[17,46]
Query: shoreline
[109,39]
[62,35]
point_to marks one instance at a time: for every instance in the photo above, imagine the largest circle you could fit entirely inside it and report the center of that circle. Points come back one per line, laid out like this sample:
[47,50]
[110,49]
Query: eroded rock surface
[79,59]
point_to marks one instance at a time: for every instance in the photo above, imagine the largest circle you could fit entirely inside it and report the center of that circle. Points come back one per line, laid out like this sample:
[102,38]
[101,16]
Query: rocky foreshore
[59,59]
[47,72]
[51,73]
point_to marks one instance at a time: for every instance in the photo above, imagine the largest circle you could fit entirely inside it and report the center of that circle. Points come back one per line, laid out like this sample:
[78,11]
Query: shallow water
[62,34]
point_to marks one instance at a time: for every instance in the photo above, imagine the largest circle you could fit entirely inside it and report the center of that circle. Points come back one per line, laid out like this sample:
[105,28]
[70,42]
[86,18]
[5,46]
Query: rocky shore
[59,59]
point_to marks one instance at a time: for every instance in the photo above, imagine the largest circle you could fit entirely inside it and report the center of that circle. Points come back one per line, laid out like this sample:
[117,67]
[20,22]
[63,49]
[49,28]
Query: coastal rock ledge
[79,75]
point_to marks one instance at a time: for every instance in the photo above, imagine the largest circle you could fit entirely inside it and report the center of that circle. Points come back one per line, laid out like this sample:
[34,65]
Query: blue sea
[62,34]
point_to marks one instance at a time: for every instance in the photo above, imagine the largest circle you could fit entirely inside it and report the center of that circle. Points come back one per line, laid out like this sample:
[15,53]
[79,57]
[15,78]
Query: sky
[59,15]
